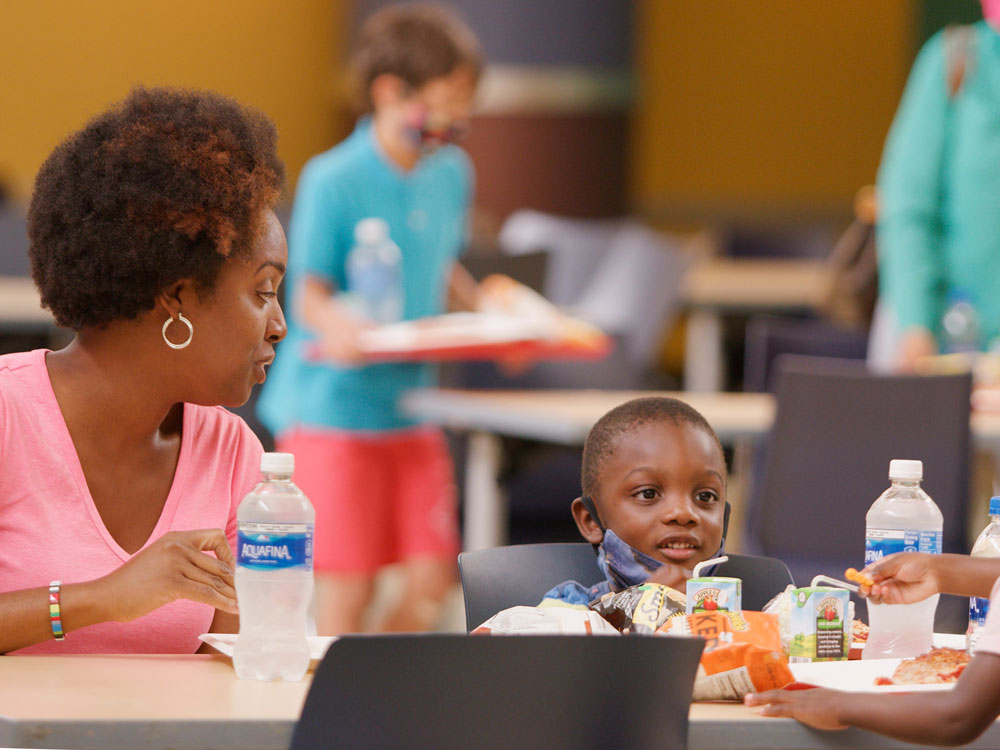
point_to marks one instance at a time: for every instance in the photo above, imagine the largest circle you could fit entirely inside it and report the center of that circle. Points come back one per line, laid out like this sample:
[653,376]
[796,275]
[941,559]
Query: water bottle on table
[902,519]
[374,273]
[987,545]
[274,575]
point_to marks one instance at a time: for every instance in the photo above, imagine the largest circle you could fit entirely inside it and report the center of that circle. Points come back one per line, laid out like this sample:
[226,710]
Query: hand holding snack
[864,581]
[902,578]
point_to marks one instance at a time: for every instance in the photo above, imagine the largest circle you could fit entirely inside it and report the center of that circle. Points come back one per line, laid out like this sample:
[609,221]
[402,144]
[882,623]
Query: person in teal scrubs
[939,198]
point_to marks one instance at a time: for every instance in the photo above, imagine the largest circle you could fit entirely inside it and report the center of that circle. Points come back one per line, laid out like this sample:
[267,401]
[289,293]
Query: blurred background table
[721,286]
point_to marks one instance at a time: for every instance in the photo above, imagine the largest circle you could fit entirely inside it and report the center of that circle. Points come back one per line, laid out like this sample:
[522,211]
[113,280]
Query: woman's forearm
[24,615]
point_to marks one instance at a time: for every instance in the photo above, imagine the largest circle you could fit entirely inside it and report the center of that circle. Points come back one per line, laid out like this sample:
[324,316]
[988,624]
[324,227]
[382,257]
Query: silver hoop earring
[185,321]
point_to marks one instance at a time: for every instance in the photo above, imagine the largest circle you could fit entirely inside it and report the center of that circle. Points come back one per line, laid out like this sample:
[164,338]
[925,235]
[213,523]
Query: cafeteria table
[565,417]
[158,702]
[718,287]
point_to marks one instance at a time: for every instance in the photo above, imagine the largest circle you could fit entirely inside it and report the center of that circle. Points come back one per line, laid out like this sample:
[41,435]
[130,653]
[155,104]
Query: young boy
[382,484]
[654,497]
[953,717]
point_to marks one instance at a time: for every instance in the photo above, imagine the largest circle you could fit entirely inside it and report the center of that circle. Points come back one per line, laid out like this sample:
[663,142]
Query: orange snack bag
[742,653]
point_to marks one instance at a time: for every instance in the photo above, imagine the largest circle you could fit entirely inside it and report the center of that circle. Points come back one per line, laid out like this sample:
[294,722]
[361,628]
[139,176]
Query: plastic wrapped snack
[641,609]
[545,621]
[742,653]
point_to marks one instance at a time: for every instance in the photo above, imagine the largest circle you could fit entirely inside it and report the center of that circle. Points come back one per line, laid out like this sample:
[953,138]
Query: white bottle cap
[277,463]
[371,231]
[901,468]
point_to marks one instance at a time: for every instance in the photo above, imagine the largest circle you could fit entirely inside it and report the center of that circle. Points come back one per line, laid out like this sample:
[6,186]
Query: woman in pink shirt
[153,238]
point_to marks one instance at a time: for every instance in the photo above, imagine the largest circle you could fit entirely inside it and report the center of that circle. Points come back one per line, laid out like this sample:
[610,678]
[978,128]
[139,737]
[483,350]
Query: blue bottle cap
[995,505]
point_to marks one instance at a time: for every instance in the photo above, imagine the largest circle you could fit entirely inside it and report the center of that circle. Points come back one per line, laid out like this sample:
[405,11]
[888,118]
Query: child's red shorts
[379,498]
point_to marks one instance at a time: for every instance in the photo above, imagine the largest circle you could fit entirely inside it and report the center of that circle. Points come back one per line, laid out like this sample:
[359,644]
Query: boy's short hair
[639,411]
[417,42]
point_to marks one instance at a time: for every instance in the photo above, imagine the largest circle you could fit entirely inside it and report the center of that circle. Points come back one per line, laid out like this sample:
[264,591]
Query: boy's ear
[588,526]
[386,89]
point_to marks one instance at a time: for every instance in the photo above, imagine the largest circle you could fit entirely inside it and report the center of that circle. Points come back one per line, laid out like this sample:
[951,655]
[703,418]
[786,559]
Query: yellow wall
[62,61]
[763,106]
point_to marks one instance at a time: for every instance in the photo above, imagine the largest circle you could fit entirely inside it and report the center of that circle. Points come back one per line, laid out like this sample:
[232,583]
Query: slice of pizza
[936,666]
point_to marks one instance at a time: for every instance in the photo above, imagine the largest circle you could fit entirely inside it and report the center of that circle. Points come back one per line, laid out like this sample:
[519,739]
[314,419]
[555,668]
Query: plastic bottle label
[978,607]
[882,542]
[275,546]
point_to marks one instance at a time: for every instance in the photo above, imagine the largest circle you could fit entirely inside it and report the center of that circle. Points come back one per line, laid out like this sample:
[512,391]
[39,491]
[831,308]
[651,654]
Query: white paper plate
[225,642]
[859,676]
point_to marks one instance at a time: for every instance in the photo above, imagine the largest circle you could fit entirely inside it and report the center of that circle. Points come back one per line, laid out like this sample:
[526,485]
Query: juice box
[820,627]
[712,593]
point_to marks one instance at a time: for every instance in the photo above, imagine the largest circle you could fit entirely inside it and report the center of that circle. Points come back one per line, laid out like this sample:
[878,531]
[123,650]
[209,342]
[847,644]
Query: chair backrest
[763,577]
[768,337]
[457,691]
[835,430]
[501,577]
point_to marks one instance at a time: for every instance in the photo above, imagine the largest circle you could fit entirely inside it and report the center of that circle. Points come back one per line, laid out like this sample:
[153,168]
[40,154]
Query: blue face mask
[626,566]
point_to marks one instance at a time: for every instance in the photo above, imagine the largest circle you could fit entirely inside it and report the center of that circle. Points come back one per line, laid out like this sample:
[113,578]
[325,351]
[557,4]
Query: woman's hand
[816,707]
[175,566]
[915,348]
[902,578]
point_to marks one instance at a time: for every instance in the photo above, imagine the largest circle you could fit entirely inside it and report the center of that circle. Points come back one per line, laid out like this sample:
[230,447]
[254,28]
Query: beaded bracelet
[55,613]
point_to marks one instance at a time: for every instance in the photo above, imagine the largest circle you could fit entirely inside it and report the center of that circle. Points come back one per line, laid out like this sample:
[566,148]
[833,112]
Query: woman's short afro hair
[165,185]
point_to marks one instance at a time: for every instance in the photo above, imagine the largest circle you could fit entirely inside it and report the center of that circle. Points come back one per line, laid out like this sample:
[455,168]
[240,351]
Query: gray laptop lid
[446,691]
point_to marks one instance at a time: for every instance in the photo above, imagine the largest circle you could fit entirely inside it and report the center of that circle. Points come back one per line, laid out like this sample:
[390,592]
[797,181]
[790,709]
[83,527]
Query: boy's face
[436,113]
[662,490]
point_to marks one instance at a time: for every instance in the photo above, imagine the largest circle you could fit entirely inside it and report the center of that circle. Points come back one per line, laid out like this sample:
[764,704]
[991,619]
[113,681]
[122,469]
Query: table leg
[703,355]
[486,518]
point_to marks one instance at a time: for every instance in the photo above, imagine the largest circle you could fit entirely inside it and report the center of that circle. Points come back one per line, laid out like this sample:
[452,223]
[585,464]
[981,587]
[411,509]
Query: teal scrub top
[939,190]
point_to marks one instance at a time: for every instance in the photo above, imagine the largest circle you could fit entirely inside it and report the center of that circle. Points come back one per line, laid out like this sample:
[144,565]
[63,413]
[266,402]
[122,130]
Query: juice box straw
[835,581]
[707,563]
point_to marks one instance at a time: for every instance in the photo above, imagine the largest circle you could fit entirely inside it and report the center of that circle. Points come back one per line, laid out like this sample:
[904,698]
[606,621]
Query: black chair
[451,692]
[835,430]
[501,577]
[768,337]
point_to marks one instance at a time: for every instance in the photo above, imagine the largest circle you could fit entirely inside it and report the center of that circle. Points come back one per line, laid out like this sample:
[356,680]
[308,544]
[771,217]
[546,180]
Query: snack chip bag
[742,653]
[640,609]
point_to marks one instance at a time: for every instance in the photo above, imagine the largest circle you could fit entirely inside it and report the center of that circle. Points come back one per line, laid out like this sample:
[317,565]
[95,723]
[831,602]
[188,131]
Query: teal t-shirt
[939,189]
[427,211]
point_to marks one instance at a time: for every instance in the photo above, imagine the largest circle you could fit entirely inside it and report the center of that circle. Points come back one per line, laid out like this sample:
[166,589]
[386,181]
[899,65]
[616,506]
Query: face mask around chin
[626,566]
[428,135]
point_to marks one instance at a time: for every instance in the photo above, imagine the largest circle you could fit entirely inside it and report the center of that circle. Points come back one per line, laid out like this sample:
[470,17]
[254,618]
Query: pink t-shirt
[50,528]
[989,639]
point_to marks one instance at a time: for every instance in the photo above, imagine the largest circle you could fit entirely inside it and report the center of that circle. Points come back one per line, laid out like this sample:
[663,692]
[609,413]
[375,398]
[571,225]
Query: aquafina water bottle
[902,519]
[274,575]
[987,545]
[374,273]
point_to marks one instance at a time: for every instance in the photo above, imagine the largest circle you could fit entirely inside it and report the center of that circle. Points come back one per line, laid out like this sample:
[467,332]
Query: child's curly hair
[166,185]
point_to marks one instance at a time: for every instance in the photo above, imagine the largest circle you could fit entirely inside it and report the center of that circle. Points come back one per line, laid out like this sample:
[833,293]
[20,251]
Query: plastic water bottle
[987,545]
[374,275]
[960,329]
[274,575]
[902,519]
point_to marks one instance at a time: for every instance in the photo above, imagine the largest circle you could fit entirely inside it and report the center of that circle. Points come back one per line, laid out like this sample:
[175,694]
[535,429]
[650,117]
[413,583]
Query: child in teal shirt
[382,484]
